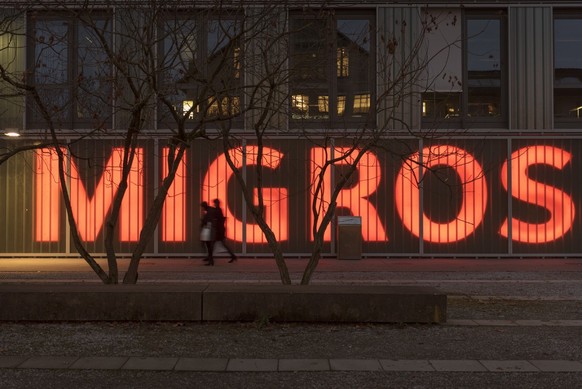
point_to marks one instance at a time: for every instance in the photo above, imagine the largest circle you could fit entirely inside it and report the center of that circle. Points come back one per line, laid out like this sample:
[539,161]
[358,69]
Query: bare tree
[144,66]
[132,64]
[291,56]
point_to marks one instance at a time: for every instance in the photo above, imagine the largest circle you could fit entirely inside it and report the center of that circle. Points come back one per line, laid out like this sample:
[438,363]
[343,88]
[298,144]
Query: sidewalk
[549,279]
[297,265]
[286,365]
[512,323]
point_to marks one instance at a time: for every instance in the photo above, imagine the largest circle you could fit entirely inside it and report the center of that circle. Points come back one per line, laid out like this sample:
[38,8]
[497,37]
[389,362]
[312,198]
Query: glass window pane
[51,51]
[484,67]
[180,50]
[180,66]
[220,33]
[341,105]
[223,53]
[444,105]
[57,102]
[332,68]
[309,68]
[361,104]
[568,69]
[568,46]
[224,65]
[94,71]
[353,64]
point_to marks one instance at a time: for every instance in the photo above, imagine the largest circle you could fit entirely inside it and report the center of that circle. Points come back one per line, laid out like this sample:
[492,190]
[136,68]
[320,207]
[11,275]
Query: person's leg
[229,250]
[209,248]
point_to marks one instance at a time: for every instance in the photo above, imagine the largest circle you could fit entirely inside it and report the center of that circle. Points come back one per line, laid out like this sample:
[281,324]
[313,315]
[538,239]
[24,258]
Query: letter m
[89,212]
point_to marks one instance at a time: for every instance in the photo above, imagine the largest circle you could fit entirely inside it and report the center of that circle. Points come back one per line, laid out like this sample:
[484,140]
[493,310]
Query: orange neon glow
[559,204]
[215,186]
[131,213]
[89,213]
[47,196]
[474,201]
[354,198]
[174,211]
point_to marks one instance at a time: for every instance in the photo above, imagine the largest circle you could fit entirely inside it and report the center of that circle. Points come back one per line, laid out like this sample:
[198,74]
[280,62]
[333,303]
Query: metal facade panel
[400,24]
[472,198]
[444,55]
[199,164]
[464,200]
[131,27]
[531,71]
[266,58]
[12,57]
[545,196]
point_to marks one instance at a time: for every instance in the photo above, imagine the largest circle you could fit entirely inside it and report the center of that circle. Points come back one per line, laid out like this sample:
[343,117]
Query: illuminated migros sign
[450,196]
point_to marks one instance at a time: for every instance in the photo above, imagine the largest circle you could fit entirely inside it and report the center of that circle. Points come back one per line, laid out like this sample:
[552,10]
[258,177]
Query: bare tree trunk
[257,212]
[274,246]
[153,217]
[74,231]
[328,214]
[317,245]
[128,158]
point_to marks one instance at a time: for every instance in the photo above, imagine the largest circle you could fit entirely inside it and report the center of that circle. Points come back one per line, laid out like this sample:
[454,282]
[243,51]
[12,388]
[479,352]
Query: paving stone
[550,323]
[252,365]
[406,365]
[532,323]
[8,362]
[457,365]
[355,364]
[461,322]
[512,366]
[568,323]
[150,363]
[201,364]
[99,363]
[495,322]
[304,365]
[557,365]
[48,362]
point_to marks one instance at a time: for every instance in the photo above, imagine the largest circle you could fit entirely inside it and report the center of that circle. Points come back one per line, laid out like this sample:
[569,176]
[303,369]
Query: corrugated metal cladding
[400,24]
[12,58]
[503,196]
[531,70]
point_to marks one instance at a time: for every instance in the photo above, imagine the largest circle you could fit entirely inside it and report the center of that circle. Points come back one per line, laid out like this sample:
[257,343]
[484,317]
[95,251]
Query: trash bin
[349,237]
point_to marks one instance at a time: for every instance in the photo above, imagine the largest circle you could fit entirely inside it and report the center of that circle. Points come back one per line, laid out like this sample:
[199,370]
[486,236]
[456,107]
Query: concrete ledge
[88,302]
[221,302]
[324,303]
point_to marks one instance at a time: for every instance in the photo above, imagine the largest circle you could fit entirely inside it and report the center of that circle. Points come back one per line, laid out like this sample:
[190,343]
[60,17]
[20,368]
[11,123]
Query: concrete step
[222,302]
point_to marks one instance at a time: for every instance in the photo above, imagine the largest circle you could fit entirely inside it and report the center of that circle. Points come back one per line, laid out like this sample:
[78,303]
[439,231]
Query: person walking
[221,229]
[208,231]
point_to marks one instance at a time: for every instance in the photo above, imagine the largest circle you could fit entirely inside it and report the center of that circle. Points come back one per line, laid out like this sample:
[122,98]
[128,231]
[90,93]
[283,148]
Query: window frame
[561,122]
[72,120]
[202,19]
[335,120]
[464,121]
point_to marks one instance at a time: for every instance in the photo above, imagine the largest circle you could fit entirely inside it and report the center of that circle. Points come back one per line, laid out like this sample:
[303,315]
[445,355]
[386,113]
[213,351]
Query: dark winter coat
[219,222]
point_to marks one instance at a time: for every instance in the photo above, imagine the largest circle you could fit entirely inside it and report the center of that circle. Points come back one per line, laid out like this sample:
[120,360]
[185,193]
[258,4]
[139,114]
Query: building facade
[476,109]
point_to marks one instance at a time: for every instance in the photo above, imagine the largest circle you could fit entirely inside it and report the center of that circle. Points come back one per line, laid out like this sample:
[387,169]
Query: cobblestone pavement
[512,323]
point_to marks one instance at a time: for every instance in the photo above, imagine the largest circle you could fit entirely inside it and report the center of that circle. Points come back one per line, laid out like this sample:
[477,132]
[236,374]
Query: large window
[477,98]
[332,69]
[202,68]
[568,70]
[71,71]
